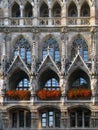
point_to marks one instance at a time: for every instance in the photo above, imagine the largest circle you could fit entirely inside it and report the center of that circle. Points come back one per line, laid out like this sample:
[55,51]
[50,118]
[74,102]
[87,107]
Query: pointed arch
[15,10]
[16,77]
[48,82]
[72,10]
[85,10]
[28,11]
[44,11]
[56,10]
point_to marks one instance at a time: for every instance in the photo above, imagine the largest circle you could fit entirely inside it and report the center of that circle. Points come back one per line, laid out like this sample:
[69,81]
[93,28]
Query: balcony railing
[78,21]
[49,21]
[29,21]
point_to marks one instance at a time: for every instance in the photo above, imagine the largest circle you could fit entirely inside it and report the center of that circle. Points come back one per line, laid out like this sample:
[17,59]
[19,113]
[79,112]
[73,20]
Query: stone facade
[49,45]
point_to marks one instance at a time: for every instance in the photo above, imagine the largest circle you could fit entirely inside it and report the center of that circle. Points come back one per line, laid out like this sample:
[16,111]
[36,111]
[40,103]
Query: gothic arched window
[72,10]
[56,10]
[28,12]
[80,117]
[80,44]
[24,84]
[44,12]
[15,10]
[24,49]
[53,49]
[85,10]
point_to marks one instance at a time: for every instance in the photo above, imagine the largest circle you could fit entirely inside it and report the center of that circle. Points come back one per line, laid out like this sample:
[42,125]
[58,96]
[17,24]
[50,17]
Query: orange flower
[79,92]
[48,94]
[18,94]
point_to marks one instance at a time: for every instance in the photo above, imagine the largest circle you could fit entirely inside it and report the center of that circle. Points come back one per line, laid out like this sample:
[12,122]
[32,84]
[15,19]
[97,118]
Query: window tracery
[24,49]
[80,44]
[53,49]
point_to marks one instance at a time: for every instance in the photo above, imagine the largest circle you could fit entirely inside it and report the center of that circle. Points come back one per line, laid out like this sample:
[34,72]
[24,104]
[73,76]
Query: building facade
[48,64]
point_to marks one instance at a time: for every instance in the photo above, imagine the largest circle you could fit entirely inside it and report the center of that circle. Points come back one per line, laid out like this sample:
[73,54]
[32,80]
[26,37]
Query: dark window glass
[28,119]
[21,118]
[72,119]
[80,118]
[57,119]
[14,119]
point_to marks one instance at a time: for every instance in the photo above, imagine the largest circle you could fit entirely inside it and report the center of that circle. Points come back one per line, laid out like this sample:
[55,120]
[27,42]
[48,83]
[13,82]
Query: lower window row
[51,118]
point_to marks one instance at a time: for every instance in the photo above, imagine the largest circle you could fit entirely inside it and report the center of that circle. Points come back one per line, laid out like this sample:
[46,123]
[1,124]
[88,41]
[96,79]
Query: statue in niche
[94,84]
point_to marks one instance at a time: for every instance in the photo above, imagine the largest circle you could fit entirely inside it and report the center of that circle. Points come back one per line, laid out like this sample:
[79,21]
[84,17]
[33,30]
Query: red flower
[79,92]
[18,94]
[48,94]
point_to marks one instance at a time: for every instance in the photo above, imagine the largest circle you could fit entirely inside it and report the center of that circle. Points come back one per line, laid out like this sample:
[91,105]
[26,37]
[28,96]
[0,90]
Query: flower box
[49,94]
[79,93]
[18,94]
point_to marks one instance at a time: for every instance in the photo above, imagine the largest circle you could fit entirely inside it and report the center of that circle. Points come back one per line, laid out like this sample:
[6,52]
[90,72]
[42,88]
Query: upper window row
[50,46]
[54,12]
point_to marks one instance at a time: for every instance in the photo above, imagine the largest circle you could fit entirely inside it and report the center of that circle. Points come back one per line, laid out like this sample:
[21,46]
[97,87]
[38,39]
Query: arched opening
[44,11]
[20,117]
[81,45]
[79,86]
[85,10]
[72,10]
[80,117]
[49,80]
[53,47]
[15,10]
[28,12]
[19,80]
[24,49]
[56,11]
[50,117]
[79,79]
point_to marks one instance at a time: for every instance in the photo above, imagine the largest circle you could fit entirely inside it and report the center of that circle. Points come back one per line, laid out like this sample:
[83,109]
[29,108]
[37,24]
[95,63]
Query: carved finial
[78,50]
[48,50]
[18,49]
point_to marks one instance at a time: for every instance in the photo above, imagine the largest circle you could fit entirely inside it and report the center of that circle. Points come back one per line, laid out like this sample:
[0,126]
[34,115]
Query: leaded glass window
[52,84]
[24,49]
[24,84]
[53,49]
[80,44]
[50,119]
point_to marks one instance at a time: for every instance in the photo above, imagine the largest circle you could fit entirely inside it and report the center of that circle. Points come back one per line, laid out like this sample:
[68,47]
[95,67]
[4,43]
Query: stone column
[21,22]
[64,14]
[92,12]
[35,13]
[79,20]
